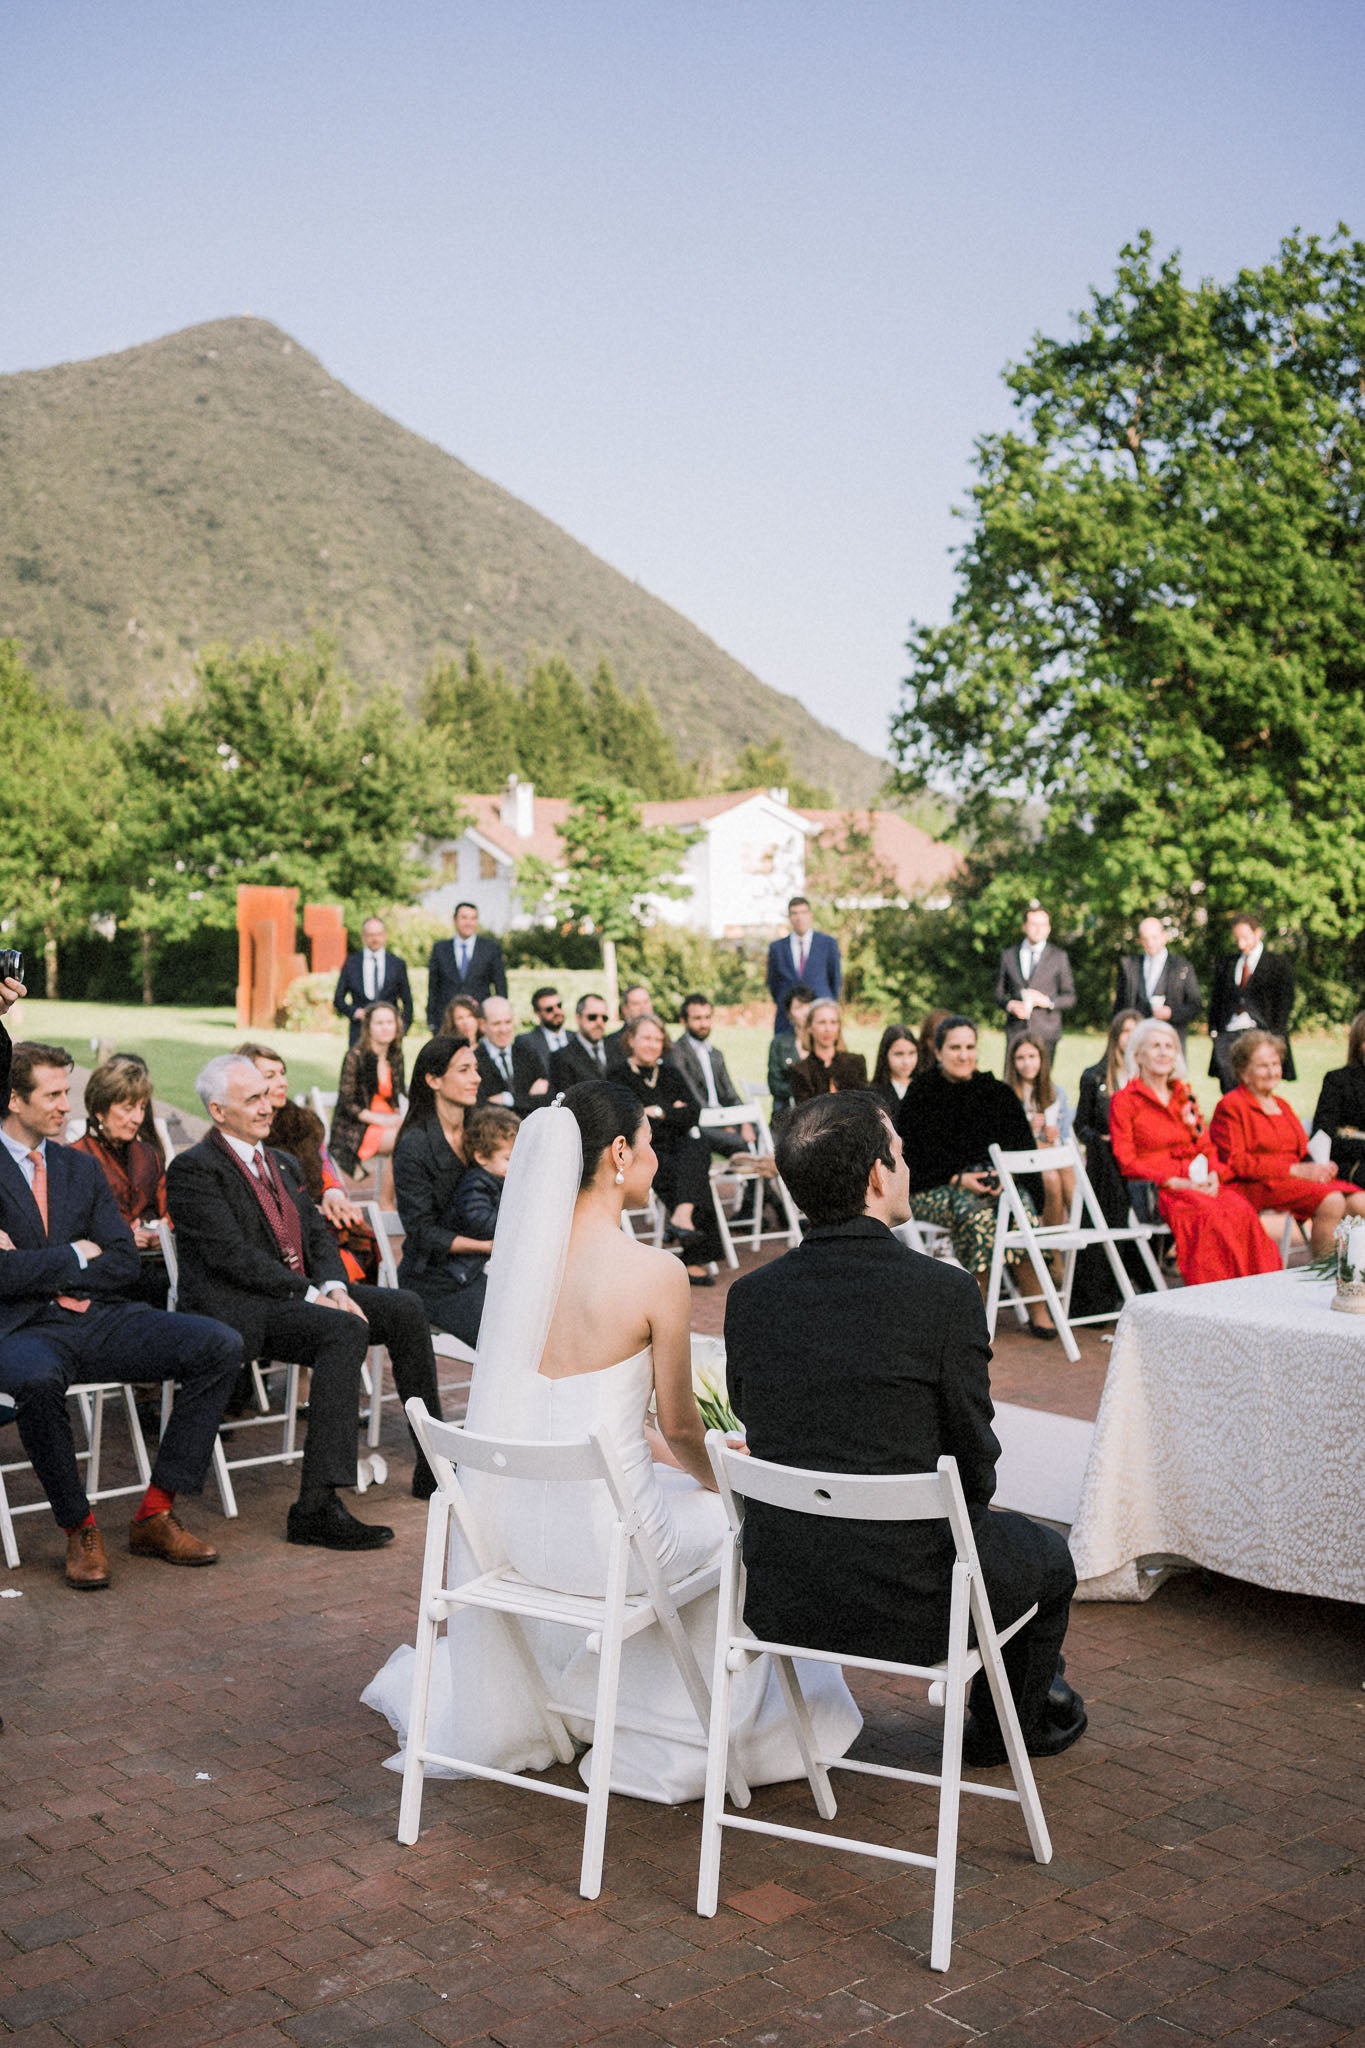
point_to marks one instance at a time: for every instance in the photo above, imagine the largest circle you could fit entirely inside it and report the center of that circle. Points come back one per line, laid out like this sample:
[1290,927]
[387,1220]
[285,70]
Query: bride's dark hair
[604,1111]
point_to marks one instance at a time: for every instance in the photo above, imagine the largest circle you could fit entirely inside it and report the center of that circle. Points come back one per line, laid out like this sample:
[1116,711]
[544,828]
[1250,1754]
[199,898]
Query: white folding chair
[324,1101]
[860,1497]
[731,1117]
[386,1225]
[652,1219]
[1016,1231]
[930,1238]
[609,1621]
[90,1397]
[285,1418]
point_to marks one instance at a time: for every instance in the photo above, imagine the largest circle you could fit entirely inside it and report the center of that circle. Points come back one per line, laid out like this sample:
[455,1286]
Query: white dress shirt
[253,1158]
[798,946]
[374,968]
[1153,967]
[1241,975]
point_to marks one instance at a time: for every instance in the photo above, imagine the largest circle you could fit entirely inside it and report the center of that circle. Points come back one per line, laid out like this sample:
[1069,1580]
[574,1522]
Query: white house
[747,859]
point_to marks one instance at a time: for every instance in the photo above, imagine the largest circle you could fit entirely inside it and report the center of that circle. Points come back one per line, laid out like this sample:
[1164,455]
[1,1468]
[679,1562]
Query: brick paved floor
[197,1838]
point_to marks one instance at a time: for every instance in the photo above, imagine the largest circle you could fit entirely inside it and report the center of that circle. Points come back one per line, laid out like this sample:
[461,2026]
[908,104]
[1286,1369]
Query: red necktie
[39,1165]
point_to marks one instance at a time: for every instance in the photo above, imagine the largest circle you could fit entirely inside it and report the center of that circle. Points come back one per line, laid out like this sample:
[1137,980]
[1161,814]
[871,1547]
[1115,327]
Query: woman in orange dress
[1266,1146]
[1157,1135]
[368,1109]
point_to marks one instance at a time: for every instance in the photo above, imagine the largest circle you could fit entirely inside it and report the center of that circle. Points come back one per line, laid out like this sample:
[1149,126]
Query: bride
[568,1288]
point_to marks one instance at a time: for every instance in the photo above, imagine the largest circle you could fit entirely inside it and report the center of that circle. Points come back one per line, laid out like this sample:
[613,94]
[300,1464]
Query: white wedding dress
[557,1536]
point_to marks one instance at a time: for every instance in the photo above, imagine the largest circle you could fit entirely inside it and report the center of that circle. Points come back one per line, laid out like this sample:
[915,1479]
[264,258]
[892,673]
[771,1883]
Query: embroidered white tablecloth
[1231,1434]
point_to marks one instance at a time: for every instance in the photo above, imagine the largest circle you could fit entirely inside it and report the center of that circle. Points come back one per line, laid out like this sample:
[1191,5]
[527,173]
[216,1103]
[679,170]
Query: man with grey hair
[252,1243]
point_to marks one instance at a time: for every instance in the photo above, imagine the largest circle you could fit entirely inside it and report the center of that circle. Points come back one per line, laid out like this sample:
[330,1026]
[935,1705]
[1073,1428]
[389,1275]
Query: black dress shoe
[1044,1332]
[334,1527]
[684,1239]
[984,1747]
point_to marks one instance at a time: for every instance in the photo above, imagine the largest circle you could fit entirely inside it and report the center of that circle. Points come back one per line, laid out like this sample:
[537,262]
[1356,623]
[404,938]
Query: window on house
[488,866]
[450,864]
[758,860]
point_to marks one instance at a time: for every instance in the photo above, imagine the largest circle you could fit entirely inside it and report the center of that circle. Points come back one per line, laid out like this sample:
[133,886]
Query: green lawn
[176,1043]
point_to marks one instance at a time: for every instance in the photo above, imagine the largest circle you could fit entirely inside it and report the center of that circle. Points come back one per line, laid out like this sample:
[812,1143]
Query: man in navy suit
[467,965]
[373,975]
[806,956]
[66,1260]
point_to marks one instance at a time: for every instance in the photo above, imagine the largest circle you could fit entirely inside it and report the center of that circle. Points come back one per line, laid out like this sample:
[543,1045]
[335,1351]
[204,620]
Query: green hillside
[219,485]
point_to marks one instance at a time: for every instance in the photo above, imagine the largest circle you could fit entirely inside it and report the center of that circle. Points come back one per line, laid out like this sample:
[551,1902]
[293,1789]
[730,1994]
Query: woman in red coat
[1157,1134]
[1267,1150]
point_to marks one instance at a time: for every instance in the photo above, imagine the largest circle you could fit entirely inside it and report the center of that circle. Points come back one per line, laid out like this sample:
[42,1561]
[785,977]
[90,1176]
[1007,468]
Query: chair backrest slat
[844,1496]
[504,1457]
[1043,1159]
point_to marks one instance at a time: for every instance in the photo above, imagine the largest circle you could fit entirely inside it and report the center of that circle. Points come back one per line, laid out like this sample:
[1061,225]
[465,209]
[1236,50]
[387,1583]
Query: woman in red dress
[1157,1134]
[1267,1150]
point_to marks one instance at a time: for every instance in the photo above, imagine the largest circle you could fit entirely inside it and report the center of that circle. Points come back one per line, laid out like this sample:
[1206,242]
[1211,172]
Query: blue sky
[724,287]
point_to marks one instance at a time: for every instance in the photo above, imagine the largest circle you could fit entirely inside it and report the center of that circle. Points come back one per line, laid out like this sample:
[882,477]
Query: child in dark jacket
[489,1133]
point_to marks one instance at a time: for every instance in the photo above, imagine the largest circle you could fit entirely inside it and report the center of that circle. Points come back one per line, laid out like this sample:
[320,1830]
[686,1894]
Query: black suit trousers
[58,1349]
[1021,1562]
[333,1345]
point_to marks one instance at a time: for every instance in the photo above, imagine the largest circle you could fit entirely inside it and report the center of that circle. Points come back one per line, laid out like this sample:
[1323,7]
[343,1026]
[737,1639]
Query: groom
[855,1354]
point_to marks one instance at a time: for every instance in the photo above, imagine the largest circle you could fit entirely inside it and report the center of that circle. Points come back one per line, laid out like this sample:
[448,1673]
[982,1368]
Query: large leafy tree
[1158,643]
[273,771]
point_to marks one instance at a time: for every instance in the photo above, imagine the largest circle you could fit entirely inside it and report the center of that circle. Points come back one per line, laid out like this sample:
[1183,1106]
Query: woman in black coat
[428,1165]
[683,1181]
[1341,1107]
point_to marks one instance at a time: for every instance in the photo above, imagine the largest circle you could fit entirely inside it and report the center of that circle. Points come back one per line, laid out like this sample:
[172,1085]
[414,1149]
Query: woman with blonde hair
[828,1068]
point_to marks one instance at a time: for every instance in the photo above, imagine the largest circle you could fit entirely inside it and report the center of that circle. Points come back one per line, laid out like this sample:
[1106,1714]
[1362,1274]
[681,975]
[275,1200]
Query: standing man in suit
[373,975]
[805,956]
[67,1260]
[497,1068]
[1252,991]
[636,1001]
[533,1050]
[584,1057]
[467,965]
[702,1066]
[855,1354]
[255,1251]
[1033,984]
[1157,982]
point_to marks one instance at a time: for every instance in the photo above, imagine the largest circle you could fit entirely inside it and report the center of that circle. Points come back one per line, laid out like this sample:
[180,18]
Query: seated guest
[297,1130]
[368,1106]
[853,1354]
[683,1181]
[254,1249]
[429,1162]
[897,1058]
[497,1066]
[786,1049]
[67,1266]
[532,1050]
[1266,1147]
[489,1135]
[373,975]
[949,1120]
[827,1067]
[1028,1071]
[636,1001]
[462,1018]
[1157,1134]
[928,1050]
[583,1056]
[1341,1107]
[118,1099]
[702,1065]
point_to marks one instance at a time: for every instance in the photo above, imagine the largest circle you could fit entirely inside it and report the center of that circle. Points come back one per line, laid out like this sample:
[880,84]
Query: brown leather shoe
[162,1536]
[87,1567]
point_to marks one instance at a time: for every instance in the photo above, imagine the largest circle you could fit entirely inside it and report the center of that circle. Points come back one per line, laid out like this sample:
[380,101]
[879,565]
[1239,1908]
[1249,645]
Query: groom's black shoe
[1064,1722]
[334,1527]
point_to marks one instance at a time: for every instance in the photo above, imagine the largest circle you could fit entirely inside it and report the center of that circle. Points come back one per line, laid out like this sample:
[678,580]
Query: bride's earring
[620,1178]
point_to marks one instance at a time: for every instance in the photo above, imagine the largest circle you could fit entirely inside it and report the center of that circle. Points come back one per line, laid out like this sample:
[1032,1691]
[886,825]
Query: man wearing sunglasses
[533,1050]
[585,1057]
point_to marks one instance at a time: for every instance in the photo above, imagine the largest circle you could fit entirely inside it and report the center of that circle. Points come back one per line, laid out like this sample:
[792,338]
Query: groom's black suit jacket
[855,1354]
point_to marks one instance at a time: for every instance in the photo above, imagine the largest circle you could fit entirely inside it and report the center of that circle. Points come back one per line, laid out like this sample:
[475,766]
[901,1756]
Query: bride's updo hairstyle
[604,1111]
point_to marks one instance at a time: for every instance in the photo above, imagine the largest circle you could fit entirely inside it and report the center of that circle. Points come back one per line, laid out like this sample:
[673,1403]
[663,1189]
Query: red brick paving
[197,1840]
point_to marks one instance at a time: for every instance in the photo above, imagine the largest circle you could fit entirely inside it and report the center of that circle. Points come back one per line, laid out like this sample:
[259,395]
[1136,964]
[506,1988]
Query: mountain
[219,485]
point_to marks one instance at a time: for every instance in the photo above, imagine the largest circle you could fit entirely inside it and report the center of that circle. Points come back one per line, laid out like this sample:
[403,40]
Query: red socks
[155,1501]
[88,1523]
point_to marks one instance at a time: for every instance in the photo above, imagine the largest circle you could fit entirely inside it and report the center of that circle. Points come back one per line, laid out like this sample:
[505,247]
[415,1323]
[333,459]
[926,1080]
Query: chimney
[517,811]
[779,796]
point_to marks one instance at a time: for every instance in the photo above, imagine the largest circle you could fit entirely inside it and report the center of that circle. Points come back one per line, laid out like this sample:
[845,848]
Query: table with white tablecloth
[1231,1434]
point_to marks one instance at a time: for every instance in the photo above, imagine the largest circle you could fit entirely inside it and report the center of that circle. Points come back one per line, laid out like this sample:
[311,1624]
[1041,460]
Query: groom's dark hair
[826,1152]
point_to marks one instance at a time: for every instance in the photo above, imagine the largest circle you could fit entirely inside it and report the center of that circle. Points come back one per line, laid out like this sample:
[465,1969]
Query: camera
[11,964]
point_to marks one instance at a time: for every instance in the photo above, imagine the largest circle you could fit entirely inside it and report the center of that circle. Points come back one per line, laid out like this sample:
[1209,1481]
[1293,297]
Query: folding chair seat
[1016,1232]
[860,1497]
[609,1621]
[732,1117]
[387,1225]
[90,1397]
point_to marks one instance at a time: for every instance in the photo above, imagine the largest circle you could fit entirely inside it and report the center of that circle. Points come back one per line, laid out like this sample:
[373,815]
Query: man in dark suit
[255,1252]
[636,1001]
[466,965]
[67,1259]
[533,1050]
[1157,982]
[855,1354]
[1033,984]
[1252,991]
[805,956]
[373,975]
[584,1058]
[497,1067]
[702,1066]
